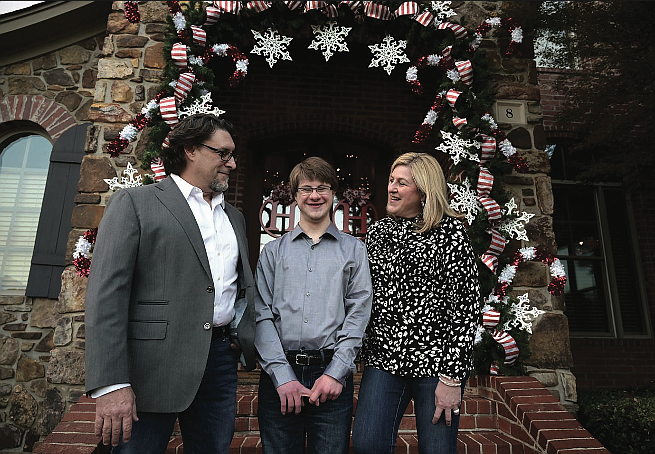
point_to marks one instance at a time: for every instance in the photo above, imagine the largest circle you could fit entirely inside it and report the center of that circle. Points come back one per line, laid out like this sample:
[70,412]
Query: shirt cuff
[107,389]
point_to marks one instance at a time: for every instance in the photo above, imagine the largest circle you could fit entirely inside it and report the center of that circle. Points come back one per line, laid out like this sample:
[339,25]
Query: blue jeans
[382,401]
[207,426]
[327,426]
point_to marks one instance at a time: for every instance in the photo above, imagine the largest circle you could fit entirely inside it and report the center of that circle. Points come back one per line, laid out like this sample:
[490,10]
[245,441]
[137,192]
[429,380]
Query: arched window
[24,162]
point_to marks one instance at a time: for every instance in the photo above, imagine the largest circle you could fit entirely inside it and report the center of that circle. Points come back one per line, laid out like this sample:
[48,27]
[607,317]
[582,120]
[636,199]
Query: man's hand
[447,399]
[291,394]
[115,411]
[325,388]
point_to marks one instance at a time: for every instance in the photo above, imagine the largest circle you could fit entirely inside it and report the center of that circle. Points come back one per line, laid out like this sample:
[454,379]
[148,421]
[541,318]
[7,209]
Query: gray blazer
[150,298]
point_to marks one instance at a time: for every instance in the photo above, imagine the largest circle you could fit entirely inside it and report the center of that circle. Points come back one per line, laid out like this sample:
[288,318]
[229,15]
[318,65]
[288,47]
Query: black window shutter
[48,258]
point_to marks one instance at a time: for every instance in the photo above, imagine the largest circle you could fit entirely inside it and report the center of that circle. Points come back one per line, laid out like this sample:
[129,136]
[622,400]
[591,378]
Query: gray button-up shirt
[312,296]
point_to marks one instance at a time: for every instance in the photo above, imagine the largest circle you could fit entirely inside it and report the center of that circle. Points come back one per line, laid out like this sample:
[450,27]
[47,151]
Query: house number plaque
[509,112]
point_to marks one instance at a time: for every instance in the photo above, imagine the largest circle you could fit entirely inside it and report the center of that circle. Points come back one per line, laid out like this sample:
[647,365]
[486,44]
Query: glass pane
[630,303]
[585,297]
[23,173]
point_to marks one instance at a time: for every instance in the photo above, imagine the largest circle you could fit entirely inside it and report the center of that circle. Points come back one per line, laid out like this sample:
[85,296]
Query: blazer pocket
[149,311]
[147,330]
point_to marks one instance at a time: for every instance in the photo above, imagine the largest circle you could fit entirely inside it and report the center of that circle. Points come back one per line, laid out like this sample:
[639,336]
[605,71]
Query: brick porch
[500,415]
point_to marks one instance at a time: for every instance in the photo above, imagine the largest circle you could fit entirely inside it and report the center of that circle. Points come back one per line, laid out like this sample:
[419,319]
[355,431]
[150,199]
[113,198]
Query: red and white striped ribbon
[199,35]
[178,54]
[213,14]
[425,19]
[406,9]
[168,110]
[460,122]
[157,166]
[446,53]
[313,5]
[488,148]
[377,11]
[258,6]
[452,96]
[496,247]
[485,182]
[465,70]
[331,11]
[493,368]
[183,86]
[229,7]
[509,344]
[492,207]
[166,143]
[490,318]
[460,32]
[293,5]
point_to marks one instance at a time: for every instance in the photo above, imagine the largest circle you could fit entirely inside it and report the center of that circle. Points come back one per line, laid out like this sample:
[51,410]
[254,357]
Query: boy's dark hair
[313,168]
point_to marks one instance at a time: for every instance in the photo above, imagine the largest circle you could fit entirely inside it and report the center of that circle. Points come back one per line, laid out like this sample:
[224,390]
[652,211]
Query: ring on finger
[456,411]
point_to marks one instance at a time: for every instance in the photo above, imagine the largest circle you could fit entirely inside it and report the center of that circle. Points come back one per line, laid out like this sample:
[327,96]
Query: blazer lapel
[171,197]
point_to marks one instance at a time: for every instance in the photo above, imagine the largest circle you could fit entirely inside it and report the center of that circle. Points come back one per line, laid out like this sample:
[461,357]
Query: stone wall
[38,380]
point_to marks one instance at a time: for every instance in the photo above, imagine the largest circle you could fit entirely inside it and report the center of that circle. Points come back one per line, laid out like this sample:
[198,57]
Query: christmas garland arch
[480,152]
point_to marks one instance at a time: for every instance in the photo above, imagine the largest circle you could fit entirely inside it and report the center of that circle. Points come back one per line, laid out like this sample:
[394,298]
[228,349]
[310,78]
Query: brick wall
[611,362]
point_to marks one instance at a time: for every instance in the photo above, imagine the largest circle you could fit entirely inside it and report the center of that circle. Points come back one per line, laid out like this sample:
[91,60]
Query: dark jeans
[382,401]
[327,426]
[207,426]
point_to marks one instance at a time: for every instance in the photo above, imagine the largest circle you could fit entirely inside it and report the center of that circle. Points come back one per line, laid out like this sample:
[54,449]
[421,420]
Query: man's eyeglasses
[225,155]
[321,190]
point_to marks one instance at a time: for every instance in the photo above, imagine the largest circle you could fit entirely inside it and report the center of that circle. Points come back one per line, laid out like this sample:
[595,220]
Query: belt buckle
[302,359]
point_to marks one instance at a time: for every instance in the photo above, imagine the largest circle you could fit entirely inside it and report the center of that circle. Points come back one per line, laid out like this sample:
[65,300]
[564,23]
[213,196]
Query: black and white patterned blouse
[425,299]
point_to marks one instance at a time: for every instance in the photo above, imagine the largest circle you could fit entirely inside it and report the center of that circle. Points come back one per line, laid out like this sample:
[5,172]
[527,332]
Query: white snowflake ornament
[516,227]
[524,314]
[510,206]
[465,200]
[271,44]
[202,105]
[389,53]
[329,37]
[458,148]
[126,182]
[442,11]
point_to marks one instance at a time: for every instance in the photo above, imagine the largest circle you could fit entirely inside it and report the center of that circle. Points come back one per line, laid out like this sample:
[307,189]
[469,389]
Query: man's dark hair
[192,130]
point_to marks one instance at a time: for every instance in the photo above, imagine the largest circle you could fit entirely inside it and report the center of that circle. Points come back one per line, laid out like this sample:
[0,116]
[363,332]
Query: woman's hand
[447,400]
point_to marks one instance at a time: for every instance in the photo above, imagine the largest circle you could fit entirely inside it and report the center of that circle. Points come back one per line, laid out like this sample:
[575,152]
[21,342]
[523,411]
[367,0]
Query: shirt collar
[187,189]
[331,230]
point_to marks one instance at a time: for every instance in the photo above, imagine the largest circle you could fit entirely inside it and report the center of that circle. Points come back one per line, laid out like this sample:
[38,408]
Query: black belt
[221,332]
[309,357]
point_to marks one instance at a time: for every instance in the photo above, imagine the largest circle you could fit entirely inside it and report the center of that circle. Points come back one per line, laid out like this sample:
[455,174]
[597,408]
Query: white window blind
[23,173]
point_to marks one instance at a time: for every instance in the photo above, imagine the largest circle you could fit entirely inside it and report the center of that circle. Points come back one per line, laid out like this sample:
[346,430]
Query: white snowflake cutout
[126,182]
[442,11]
[272,45]
[510,206]
[457,147]
[515,228]
[389,53]
[465,200]
[201,105]
[524,314]
[330,37]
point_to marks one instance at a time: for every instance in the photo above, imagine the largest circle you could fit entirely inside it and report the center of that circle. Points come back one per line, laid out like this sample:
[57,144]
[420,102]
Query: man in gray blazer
[169,303]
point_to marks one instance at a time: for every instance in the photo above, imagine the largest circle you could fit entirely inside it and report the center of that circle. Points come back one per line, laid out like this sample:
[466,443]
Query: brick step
[478,442]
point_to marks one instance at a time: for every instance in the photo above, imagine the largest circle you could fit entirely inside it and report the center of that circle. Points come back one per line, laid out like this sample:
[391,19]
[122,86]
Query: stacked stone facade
[107,79]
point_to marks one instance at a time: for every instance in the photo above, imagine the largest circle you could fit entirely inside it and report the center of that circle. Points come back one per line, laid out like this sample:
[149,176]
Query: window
[594,231]
[24,162]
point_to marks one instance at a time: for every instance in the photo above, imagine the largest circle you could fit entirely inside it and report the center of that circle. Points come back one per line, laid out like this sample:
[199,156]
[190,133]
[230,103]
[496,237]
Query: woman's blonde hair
[430,182]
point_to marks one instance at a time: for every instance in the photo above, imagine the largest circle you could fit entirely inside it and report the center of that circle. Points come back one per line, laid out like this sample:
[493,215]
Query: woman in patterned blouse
[425,304]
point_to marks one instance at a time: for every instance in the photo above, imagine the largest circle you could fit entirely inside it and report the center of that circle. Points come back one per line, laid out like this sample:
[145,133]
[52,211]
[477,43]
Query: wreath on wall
[459,99]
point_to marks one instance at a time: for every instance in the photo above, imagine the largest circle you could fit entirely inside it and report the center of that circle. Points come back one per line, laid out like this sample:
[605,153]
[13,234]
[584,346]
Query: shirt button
[207,326]
[306,321]
[312,247]
[210,289]
[307,294]
[310,270]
